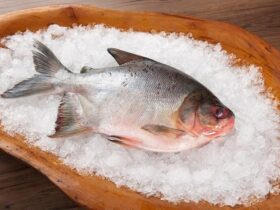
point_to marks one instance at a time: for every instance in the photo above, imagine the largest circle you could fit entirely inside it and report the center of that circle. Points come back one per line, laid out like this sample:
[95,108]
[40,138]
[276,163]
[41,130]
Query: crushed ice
[231,171]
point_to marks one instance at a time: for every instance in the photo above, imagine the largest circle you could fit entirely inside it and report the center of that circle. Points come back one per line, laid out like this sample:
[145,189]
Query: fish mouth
[221,131]
[197,129]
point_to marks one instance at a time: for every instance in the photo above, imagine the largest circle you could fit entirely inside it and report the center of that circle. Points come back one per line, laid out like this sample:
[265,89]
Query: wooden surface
[23,188]
[261,17]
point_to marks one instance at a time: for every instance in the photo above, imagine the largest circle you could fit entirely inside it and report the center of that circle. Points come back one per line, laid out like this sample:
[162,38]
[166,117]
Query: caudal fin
[45,61]
[35,84]
[46,64]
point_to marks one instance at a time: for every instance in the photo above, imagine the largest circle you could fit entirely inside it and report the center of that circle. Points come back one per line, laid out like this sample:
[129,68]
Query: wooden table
[23,188]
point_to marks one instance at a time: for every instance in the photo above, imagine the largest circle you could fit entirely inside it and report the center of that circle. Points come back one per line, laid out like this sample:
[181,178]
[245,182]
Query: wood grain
[16,178]
[261,17]
[207,9]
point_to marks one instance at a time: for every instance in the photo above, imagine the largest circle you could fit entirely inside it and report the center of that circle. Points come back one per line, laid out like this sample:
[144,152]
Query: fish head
[202,114]
[214,120]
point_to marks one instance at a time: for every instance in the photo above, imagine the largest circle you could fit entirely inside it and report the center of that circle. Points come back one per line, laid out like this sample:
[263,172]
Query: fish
[140,103]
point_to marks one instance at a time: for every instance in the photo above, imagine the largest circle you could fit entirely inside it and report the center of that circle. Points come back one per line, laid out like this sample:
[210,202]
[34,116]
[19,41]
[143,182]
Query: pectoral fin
[124,141]
[163,130]
[69,120]
[124,57]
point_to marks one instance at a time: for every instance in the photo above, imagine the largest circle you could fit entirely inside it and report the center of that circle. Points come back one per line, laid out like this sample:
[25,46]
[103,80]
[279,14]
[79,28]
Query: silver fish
[141,103]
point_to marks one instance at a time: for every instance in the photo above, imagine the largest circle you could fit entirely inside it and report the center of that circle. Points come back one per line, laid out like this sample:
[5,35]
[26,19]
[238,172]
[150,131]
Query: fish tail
[33,85]
[47,65]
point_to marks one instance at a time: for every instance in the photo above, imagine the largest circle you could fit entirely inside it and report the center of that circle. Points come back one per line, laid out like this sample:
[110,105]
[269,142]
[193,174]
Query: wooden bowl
[98,193]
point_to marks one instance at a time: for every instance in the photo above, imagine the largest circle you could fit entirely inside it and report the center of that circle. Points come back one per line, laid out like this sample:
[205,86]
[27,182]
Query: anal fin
[70,119]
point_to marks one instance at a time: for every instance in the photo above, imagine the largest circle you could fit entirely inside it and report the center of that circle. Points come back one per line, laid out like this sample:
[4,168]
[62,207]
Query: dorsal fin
[123,57]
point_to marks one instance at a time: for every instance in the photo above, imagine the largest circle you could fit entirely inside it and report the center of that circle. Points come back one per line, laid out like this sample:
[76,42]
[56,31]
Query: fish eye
[221,112]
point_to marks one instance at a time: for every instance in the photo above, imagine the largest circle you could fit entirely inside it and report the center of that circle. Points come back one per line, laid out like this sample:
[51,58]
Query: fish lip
[212,132]
[224,130]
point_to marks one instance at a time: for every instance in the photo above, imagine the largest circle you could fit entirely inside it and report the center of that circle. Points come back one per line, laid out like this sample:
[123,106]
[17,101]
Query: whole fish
[141,103]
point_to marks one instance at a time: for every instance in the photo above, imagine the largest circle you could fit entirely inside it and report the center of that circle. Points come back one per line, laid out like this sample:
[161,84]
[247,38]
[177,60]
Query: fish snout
[223,130]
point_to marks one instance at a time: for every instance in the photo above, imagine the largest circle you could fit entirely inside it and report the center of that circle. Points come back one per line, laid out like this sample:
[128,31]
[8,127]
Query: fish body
[140,103]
